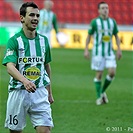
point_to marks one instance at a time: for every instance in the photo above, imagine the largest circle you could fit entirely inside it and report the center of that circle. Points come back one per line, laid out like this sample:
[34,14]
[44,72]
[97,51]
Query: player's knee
[112,74]
[42,129]
[13,131]
[99,76]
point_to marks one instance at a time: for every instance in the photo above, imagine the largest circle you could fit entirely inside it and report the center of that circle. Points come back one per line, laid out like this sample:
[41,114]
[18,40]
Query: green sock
[98,87]
[106,83]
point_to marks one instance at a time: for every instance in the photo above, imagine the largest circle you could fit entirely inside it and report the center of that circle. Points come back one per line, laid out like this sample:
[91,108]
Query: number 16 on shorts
[13,120]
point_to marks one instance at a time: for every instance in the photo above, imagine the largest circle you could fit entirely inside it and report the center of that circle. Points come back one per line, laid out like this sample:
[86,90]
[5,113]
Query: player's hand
[86,54]
[29,86]
[119,54]
[50,98]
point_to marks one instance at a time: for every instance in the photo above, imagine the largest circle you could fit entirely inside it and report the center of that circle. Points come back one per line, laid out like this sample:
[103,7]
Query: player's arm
[88,39]
[86,51]
[48,70]
[119,52]
[11,69]
[55,24]
[115,33]
[10,61]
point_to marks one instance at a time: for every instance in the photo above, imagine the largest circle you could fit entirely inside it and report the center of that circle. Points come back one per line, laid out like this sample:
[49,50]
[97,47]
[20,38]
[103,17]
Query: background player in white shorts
[27,60]
[103,28]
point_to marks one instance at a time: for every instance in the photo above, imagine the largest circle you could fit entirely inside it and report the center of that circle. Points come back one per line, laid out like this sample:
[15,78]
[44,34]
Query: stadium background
[74,17]
[74,110]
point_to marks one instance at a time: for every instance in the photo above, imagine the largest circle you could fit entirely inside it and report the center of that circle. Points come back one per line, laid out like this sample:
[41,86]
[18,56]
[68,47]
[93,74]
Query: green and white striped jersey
[29,55]
[47,21]
[102,31]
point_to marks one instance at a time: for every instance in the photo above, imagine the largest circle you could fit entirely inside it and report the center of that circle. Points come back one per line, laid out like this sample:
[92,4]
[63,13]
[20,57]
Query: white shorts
[36,105]
[99,63]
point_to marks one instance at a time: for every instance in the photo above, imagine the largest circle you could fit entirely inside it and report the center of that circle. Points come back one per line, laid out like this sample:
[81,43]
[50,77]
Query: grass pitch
[74,109]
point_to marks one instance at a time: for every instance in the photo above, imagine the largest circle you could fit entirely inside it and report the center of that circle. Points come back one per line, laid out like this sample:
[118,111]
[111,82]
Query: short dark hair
[24,7]
[100,4]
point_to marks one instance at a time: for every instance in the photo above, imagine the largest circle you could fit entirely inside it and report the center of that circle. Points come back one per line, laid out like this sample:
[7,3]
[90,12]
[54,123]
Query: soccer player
[27,59]
[103,28]
[48,20]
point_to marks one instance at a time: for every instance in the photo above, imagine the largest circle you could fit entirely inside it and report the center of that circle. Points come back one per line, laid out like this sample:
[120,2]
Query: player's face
[103,10]
[31,18]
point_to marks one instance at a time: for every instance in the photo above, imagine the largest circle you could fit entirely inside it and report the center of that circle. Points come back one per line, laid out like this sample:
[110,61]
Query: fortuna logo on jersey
[30,60]
[107,30]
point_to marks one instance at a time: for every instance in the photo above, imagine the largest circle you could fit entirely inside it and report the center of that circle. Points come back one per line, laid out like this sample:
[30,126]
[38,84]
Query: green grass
[74,109]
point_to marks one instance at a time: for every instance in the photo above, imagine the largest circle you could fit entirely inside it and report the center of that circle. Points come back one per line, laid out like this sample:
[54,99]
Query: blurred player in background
[27,59]
[103,28]
[48,20]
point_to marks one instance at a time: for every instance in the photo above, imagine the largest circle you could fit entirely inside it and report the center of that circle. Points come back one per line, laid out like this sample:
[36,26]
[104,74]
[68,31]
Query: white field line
[90,101]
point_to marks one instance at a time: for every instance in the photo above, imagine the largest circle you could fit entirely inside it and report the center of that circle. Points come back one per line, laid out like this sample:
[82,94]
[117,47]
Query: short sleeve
[115,30]
[92,27]
[48,53]
[11,52]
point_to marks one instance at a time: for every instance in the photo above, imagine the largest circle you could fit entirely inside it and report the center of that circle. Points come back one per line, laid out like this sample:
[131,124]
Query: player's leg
[110,64]
[40,112]
[108,79]
[43,129]
[97,64]
[107,82]
[15,113]
[97,82]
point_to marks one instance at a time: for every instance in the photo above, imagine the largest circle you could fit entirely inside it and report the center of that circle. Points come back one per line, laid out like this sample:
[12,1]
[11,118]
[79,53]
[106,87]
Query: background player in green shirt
[27,60]
[103,28]
[48,20]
